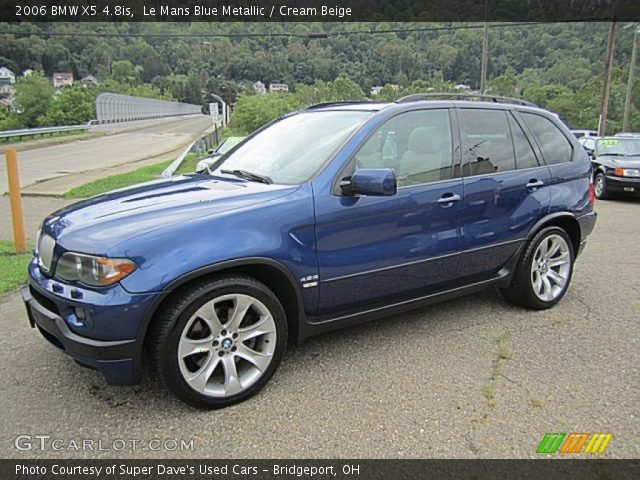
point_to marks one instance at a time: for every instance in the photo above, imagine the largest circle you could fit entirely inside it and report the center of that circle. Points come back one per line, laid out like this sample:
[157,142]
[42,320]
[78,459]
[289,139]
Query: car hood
[622,162]
[98,224]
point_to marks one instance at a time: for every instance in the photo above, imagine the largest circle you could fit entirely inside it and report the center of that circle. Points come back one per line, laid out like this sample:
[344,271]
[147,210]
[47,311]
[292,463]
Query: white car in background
[584,133]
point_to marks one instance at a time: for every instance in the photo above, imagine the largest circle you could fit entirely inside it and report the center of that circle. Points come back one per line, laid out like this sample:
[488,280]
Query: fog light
[80,314]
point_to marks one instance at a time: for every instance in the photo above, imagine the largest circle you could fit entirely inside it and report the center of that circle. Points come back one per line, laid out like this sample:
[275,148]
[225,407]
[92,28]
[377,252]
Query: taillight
[592,192]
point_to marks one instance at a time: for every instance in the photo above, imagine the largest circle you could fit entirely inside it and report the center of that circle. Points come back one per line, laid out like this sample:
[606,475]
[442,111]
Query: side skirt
[318,325]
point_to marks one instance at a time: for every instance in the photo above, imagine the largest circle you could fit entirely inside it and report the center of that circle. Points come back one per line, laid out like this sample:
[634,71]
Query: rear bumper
[119,361]
[628,185]
[586,222]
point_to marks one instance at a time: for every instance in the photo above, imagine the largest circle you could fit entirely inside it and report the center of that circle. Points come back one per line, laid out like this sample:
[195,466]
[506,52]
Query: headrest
[426,139]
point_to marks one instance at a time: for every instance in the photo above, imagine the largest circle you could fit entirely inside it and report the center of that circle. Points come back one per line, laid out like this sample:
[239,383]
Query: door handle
[449,198]
[534,183]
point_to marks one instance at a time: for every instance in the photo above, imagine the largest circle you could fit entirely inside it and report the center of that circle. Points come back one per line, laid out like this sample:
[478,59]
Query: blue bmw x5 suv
[326,217]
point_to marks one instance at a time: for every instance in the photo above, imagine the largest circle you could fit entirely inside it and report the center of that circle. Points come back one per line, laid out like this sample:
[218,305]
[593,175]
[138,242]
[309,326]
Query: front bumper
[629,185]
[115,360]
[106,337]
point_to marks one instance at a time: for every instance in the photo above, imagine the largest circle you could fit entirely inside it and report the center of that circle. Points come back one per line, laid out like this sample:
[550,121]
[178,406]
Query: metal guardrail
[173,166]
[199,146]
[25,132]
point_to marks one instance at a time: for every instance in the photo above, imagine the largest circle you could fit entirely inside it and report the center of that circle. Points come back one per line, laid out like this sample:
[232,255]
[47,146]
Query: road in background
[472,377]
[103,152]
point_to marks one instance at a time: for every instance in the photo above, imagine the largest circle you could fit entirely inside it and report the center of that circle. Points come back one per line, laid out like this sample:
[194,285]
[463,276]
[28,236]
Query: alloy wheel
[551,268]
[227,345]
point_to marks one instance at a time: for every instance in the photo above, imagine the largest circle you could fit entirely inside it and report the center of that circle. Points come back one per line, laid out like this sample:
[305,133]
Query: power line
[310,35]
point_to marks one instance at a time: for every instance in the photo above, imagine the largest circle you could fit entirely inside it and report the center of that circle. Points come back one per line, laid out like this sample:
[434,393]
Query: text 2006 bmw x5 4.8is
[323,218]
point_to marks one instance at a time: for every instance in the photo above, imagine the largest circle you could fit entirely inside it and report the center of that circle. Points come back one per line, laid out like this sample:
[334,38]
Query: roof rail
[329,104]
[492,98]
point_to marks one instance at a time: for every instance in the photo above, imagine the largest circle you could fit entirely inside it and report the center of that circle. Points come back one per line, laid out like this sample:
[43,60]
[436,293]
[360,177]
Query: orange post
[16,201]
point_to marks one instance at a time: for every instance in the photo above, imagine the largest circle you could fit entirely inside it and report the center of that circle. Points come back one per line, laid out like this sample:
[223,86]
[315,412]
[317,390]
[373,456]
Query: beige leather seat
[425,158]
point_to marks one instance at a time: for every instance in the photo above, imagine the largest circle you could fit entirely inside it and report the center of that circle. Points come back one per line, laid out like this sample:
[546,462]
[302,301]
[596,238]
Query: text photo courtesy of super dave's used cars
[327,217]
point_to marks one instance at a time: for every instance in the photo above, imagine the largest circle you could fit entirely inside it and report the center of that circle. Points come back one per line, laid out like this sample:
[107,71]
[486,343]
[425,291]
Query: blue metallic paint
[371,254]
[358,234]
[373,181]
[109,313]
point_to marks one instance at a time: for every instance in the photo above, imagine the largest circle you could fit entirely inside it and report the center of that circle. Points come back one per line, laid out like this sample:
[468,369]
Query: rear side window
[554,145]
[486,142]
[525,156]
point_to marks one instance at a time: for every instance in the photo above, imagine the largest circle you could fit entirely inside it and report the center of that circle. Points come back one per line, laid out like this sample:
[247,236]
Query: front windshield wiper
[254,177]
[614,154]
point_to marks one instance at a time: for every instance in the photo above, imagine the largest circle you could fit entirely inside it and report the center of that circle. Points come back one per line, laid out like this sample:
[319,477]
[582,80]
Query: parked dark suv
[327,217]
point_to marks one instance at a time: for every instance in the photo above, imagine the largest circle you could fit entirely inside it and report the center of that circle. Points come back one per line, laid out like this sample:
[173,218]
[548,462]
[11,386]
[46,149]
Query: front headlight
[627,172]
[93,271]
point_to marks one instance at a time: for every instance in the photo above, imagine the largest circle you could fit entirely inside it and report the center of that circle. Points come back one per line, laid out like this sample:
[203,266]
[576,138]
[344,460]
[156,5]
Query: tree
[33,98]
[9,120]
[73,106]
[504,84]
[192,90]
[124,71]
[253,111]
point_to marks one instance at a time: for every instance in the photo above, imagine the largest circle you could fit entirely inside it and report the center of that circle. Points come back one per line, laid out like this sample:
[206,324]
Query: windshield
[618,146]
[228,144]
[293,149]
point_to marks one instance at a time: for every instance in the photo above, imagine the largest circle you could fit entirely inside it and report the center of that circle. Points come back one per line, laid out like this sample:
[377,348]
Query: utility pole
[632,67]
[606,88]
[485,50]
[227,91]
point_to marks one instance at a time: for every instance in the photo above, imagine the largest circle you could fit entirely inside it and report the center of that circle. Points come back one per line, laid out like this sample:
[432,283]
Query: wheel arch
[598,168]
[564,220]
[267,271]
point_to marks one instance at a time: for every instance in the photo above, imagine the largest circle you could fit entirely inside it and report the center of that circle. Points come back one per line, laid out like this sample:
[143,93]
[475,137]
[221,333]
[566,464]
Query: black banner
[314,10]
[316,469]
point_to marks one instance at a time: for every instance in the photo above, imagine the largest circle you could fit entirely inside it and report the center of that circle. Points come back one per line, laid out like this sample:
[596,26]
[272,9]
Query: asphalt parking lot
[473,377]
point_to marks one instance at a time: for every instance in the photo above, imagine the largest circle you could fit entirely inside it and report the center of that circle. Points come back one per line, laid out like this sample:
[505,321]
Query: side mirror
[590,152]
[211,151]
[379,182]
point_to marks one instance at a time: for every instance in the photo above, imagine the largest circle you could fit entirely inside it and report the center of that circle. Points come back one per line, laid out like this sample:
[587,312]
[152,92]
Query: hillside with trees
[558,66]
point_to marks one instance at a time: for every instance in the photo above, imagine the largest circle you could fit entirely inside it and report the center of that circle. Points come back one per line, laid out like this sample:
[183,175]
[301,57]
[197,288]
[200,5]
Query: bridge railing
[115,108]
[27,132]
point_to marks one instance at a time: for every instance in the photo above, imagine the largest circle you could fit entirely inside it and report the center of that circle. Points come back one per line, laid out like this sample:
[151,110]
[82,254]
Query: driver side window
[416,145]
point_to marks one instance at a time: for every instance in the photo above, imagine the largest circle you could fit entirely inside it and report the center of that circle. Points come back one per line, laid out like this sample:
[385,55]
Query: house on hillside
[259,88]
[463,88]
[6,103]
[27,72]
[7,77]
[89,80]
[7,90]
[62,79]
[278,88]
[7,83]
[376,90]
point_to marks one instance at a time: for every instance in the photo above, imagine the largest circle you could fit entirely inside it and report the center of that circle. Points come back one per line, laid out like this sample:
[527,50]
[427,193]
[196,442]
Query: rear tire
[544,271]
[219,341]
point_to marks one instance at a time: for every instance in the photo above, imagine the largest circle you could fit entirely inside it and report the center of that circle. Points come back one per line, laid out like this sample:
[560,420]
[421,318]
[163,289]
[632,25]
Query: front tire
[218,342]
[600,187]
[544,271]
